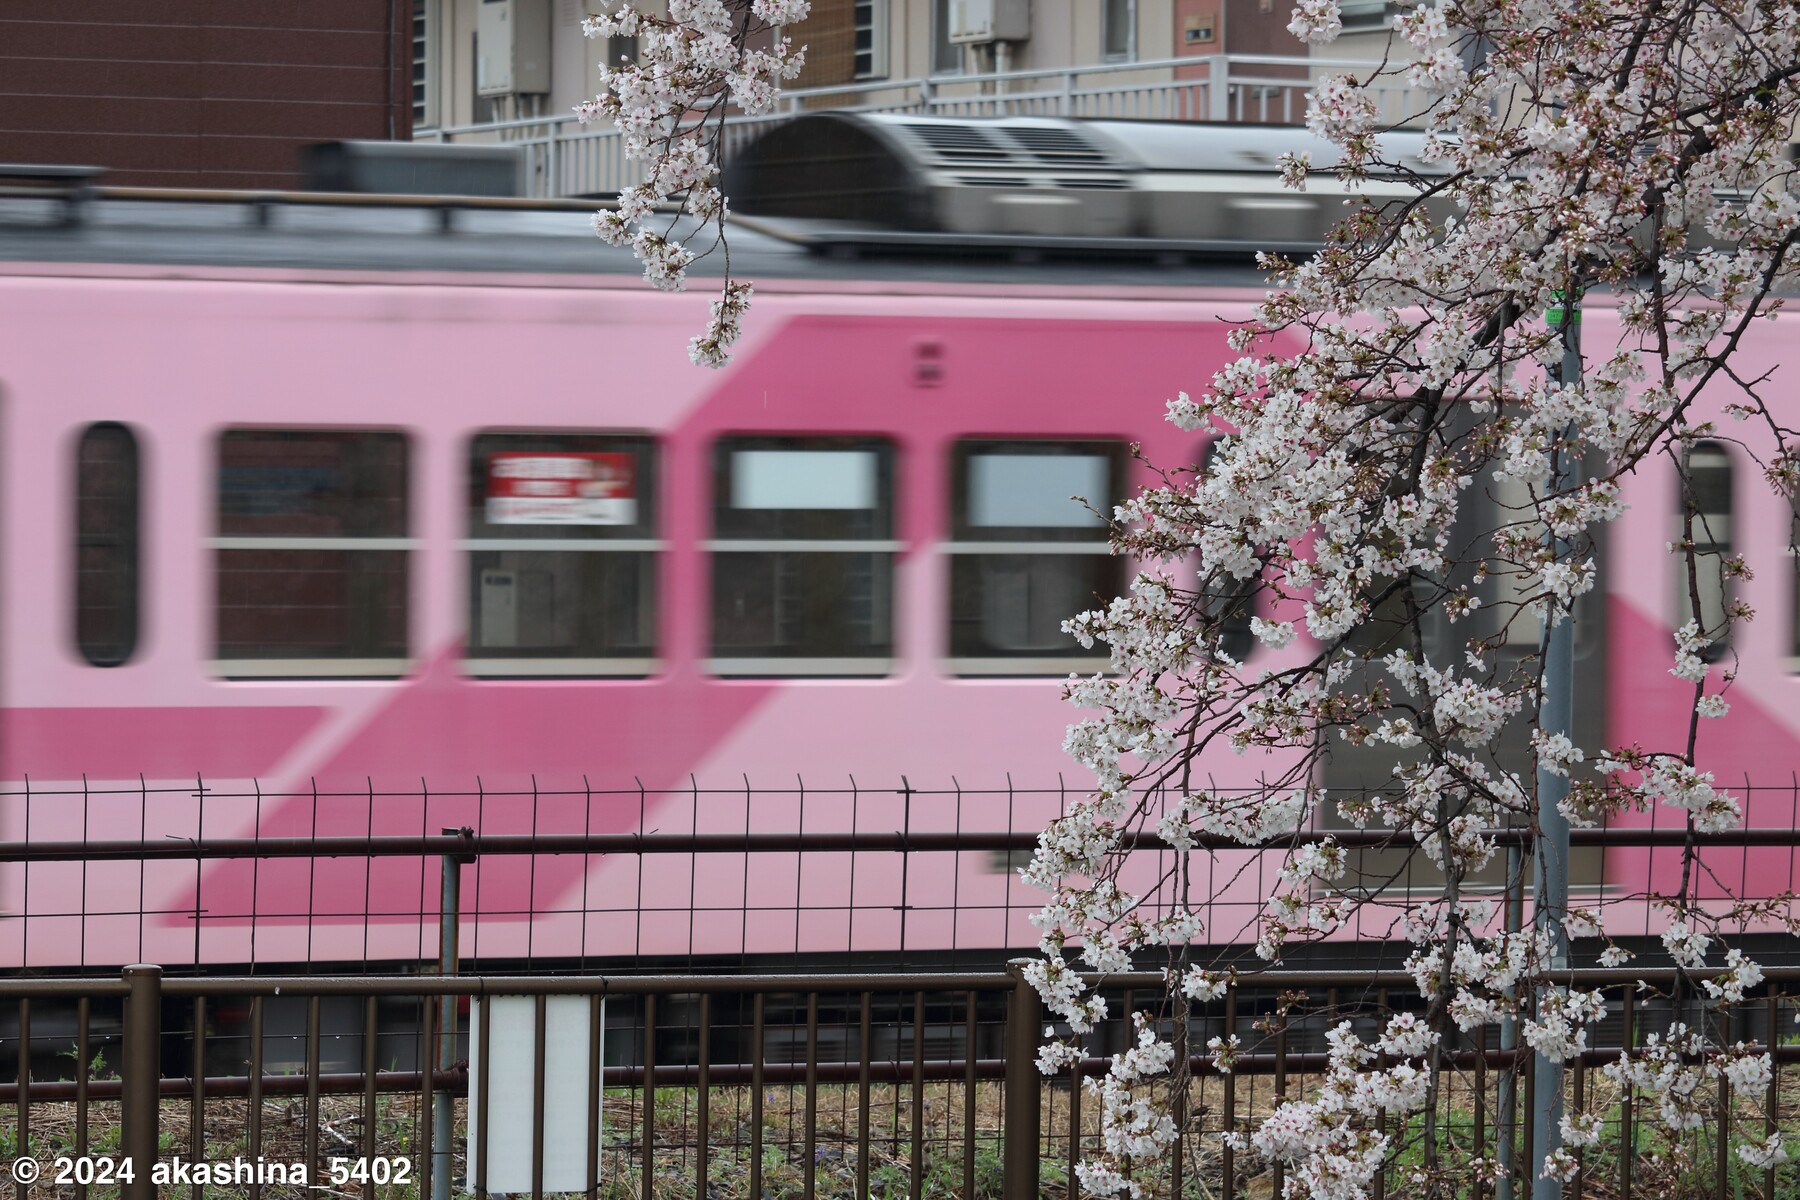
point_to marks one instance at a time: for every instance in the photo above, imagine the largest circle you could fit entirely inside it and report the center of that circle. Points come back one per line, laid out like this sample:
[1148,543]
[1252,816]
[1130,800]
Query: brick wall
[199,93]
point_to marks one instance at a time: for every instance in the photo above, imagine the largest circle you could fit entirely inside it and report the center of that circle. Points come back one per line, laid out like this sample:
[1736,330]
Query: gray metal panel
[1206,146]
[414,169]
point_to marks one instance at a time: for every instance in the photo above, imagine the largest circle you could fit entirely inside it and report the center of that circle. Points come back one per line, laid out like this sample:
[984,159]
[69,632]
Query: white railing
[566,158]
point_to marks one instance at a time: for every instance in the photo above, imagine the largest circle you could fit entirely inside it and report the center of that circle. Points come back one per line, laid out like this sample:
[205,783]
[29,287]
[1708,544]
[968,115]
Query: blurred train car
[338,503]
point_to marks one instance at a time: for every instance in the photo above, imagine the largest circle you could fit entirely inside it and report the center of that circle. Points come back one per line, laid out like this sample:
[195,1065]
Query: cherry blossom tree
[1404,444]
[1405,439]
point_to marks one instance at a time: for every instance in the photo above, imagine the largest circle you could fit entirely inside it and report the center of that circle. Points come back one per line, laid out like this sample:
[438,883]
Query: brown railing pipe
[141,1072]
[791,842]
[796,985]
[237,1087]
[1024,1027]
[412,986]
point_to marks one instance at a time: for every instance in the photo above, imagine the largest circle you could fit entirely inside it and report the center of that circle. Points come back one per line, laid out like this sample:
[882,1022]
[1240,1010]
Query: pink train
[346,505]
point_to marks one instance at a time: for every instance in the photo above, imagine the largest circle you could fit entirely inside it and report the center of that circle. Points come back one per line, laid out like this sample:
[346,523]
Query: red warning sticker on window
[561,489]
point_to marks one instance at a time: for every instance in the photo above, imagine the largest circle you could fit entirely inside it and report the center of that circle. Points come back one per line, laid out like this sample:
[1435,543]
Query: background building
[228,93]
[199,93]
[512,71]
[536,62]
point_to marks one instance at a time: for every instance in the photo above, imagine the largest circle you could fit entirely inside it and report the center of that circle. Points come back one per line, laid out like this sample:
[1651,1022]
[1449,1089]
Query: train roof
[556,239]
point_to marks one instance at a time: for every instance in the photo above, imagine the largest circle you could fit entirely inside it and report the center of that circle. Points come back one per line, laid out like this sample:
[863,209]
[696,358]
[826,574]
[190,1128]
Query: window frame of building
[870,62]
[803,540]
[621,50]
[946,55]
[1367,16]
[424,94]
[565,540]
[976,547]
[108,526]
[396,540]
[1118,17]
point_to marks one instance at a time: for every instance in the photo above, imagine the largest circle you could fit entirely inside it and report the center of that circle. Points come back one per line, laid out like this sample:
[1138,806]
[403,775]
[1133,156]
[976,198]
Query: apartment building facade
[478,61]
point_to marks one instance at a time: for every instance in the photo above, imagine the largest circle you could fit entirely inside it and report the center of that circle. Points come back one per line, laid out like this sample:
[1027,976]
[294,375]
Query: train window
[802,556]
[1706,487]
[106,544]
[562,556]
[1025,556]
[1793,550]
[1233,600]
[1504,611]
[1512,586]
[312,553]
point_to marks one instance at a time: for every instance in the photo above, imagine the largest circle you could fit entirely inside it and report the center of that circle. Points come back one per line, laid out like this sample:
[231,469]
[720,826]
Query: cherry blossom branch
[670,109]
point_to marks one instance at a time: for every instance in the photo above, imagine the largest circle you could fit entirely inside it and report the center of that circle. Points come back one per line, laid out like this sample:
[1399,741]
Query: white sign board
[507,1078]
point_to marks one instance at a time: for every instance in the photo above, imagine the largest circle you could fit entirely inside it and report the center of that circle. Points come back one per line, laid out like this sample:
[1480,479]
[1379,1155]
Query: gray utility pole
[1555,715]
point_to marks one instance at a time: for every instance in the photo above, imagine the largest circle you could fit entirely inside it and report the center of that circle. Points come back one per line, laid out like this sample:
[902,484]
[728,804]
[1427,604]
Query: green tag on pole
[1555,313]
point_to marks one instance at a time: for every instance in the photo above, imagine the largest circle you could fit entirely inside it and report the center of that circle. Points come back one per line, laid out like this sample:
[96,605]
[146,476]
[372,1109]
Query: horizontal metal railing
[466,842]
[565,158]
[202,876]
[894,1082]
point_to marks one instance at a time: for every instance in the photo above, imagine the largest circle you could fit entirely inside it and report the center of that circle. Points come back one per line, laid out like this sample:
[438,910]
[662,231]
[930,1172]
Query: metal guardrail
[262,203]
[560,877]
[872,1093]
[564,158]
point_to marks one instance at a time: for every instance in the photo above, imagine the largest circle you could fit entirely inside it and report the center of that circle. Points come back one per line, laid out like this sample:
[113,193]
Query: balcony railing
[564,158]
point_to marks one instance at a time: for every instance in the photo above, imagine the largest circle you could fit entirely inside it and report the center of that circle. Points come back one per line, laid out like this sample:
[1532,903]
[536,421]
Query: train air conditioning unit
[1023,176]
[1220,183]
[512,47]
[978,22]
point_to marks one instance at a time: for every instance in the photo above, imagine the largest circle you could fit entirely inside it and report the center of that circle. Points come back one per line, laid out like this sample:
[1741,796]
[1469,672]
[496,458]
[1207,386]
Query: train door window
[1793,550]
[1025,556]
[312,553]
[1706,486]
[106,544]
[1231,600]
[562,555]
[1512,586]
[802,556]
[1520,625]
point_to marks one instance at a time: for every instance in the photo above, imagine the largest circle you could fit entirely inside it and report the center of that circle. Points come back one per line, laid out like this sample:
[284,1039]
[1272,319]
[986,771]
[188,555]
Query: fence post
[552,173]
[142,1072]
[449,927]
[1024,1025]
[1218,88]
